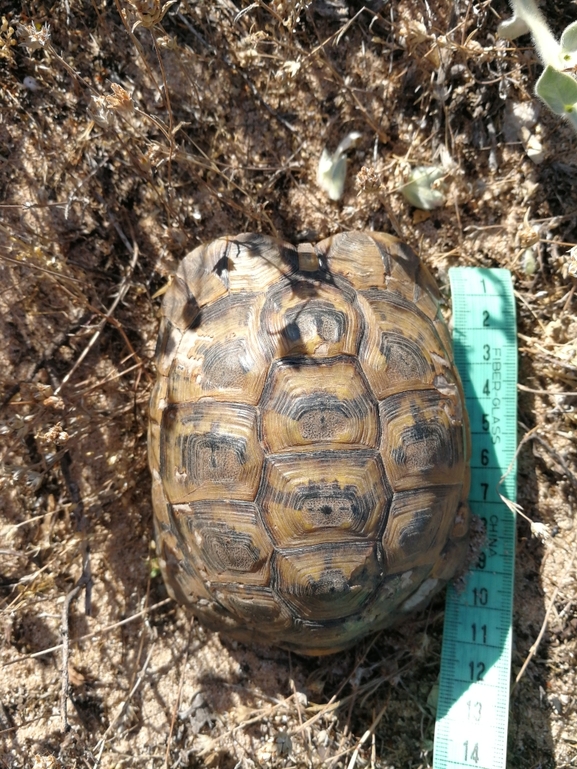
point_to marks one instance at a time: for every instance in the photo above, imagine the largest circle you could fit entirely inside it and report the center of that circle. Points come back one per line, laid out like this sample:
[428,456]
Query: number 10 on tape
[473,705]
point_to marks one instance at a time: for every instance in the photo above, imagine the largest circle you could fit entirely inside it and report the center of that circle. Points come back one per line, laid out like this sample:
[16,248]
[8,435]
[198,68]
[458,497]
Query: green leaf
[569,40]
[419,190]
[558,91]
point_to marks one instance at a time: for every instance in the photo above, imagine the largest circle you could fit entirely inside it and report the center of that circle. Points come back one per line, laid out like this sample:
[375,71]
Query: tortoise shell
[308,440]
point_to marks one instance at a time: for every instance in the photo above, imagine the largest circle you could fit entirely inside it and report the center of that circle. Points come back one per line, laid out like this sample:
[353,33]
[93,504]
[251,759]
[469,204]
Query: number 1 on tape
[473,705]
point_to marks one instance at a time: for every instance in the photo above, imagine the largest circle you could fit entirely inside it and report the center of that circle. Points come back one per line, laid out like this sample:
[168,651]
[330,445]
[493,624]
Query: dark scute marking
[320,417]
[191,313]
[403,356]
[330,504]
[197,320]
[171,413]
[428,433]
[222,266]
[179,304]
[165,341]
[260,248]
[427,445]
[415,411]
[428,441]
[228,550]
[330,326]
[405,257]
[418,430]
[223,364]
[292,332]
[331,582]
[211,457]
[385,256]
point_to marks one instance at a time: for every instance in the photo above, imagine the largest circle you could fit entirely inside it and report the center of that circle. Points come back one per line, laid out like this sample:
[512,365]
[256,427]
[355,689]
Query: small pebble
[555,703]
[283,744]
[31,83]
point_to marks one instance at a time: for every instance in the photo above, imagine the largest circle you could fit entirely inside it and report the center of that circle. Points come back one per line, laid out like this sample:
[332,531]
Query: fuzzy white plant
[332,168]
[555,87]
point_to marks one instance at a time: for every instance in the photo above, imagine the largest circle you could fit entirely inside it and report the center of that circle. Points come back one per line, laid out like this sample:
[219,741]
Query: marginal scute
[154,446]
[311,403]
[158,400]
[393,590]
[324,637]
[444,335]
[408,277]
[308,442]
[160,502]
[422,595]
[179,309]
[341,256]
[451,559]
[308,258]
[183,580]
[233,264]
[256,260]
[426,294]
[167,344]
[258,611]
[200,276]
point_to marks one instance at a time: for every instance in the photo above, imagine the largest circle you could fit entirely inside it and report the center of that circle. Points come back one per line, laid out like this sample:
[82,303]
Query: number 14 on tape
[473,705]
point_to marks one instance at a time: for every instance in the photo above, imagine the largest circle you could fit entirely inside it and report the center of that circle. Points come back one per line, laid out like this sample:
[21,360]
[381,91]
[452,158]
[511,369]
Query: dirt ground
[126,139]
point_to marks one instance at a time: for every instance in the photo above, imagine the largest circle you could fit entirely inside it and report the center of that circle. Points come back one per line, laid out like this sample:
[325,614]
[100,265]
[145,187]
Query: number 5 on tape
[473,705]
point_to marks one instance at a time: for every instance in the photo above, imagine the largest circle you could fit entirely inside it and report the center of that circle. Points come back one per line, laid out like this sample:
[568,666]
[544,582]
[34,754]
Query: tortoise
[308,439]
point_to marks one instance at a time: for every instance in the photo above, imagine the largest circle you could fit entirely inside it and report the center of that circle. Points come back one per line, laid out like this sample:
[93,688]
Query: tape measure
[473,704]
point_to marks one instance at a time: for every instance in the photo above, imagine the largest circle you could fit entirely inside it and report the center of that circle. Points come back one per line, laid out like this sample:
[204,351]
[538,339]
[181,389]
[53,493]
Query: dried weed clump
[131,132]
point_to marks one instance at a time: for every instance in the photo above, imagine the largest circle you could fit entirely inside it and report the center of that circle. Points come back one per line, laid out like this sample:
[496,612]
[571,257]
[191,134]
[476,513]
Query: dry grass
[127,139]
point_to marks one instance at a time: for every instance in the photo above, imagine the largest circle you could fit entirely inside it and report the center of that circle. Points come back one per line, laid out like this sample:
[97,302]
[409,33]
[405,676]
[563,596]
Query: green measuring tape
[473,704]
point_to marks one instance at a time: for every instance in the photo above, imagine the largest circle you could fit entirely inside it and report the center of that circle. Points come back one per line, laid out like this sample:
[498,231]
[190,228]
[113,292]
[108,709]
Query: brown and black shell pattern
[308,441]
